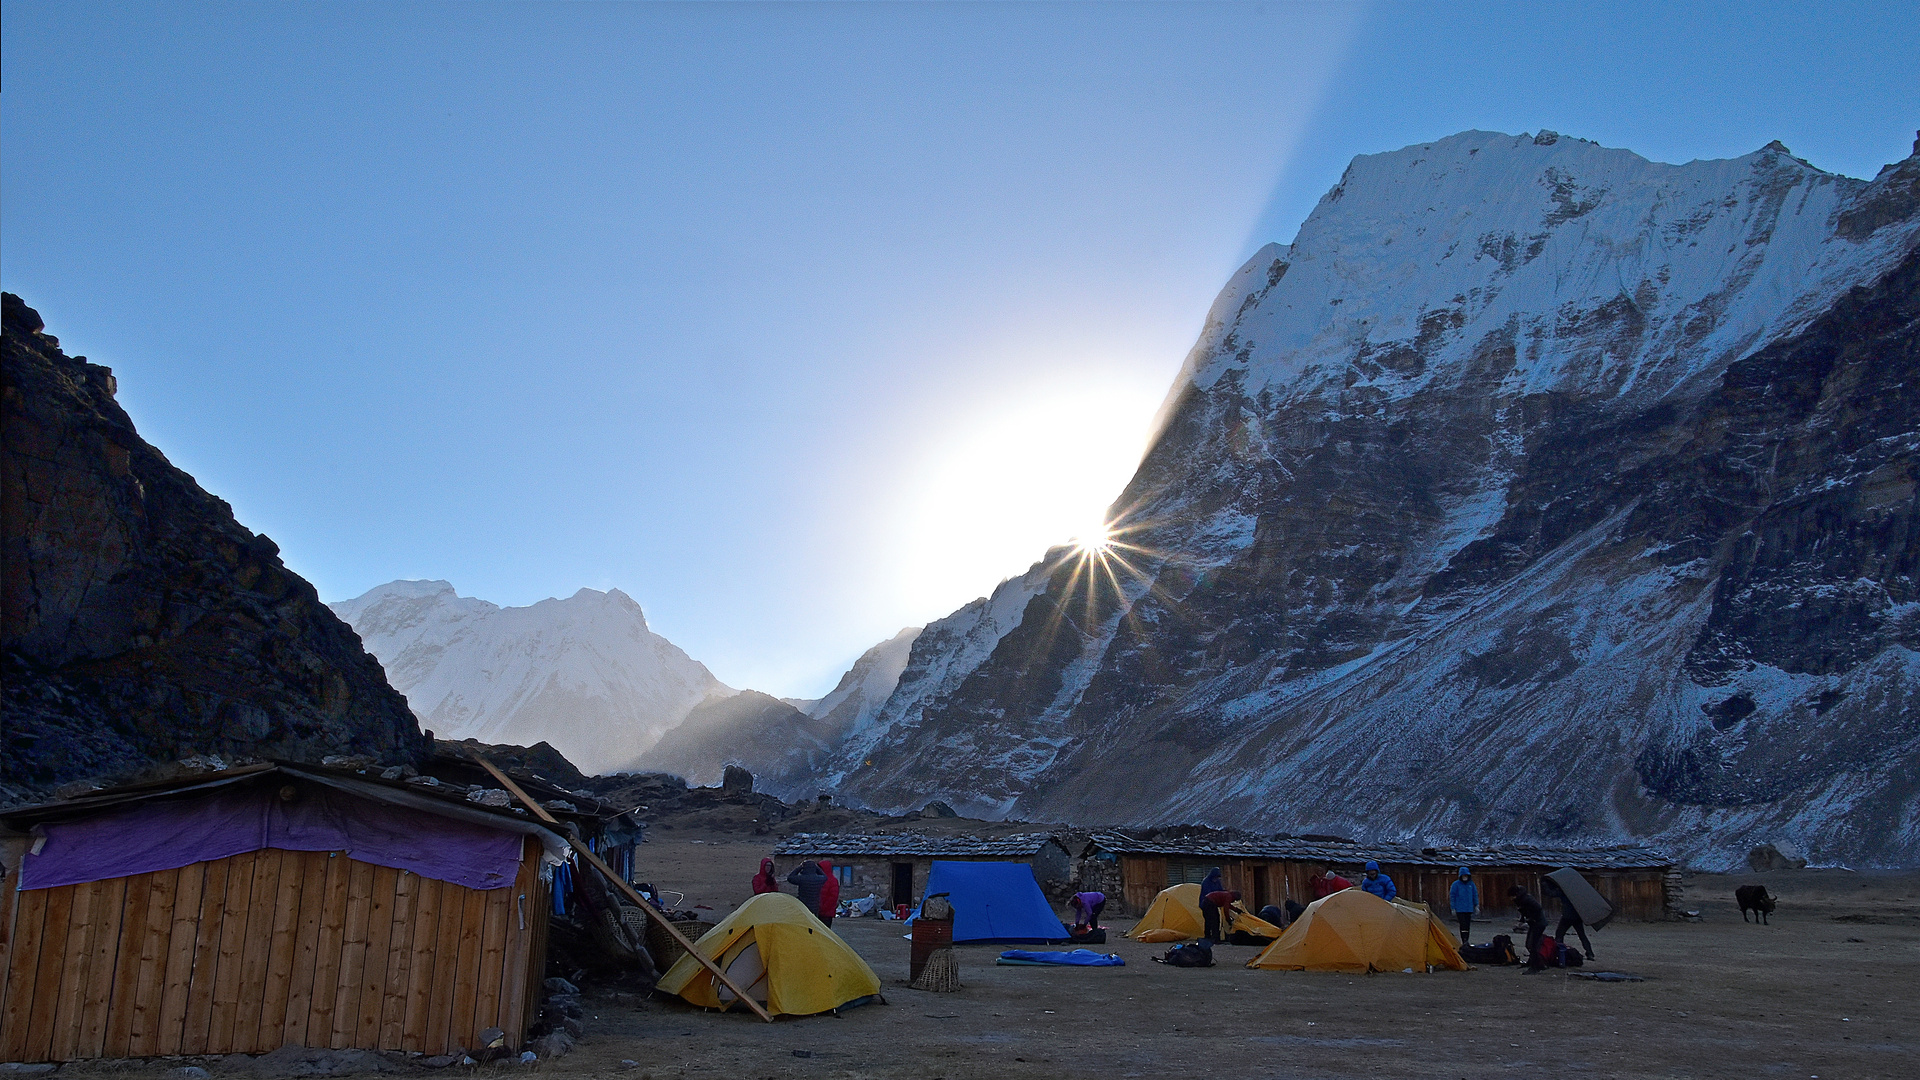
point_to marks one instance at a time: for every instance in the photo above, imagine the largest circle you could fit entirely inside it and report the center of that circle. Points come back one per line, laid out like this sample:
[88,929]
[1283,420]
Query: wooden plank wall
[1141,879]
[249,953]
[1637,895]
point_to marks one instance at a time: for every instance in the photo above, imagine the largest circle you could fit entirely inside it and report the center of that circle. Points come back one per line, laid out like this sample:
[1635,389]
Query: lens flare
[1095,541]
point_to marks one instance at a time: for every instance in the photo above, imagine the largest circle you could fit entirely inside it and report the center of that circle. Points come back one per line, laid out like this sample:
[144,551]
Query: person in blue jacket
[1378,883]
[1464,897]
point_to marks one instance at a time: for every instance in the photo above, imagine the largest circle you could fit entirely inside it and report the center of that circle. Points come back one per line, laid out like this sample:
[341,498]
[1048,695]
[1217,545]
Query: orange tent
[1354,930]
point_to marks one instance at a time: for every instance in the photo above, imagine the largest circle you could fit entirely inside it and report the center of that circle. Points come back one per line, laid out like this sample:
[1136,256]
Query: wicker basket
[666,951]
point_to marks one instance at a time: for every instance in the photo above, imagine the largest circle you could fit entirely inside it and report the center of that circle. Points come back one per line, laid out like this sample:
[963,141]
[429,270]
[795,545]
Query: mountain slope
[1536,491]
[765,735]
[584,673]
[140,620]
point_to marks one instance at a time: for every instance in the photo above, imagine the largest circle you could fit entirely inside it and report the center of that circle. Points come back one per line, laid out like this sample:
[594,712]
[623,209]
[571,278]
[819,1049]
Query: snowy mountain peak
[584,673]
[1607,272]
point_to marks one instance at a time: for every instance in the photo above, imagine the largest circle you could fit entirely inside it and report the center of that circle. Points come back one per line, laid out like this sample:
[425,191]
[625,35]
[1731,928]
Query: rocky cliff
[584,673]
[1535,491]
[141,621]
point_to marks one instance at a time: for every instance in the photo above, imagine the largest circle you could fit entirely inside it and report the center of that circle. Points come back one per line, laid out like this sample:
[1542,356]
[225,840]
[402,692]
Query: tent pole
[632,893]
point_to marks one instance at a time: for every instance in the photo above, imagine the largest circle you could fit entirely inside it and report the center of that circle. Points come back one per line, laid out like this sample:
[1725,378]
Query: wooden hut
[895,868]
[246,909]
[1633,879]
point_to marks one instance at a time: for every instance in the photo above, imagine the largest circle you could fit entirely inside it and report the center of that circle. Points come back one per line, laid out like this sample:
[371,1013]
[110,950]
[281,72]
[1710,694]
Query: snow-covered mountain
[584,673]
[1537,490]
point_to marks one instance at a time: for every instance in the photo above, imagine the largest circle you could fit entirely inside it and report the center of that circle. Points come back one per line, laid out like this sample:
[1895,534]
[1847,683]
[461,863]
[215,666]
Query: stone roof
[912,845]
[1619,857]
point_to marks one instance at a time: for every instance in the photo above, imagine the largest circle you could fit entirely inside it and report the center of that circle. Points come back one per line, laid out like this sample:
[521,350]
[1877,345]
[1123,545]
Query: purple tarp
[164,834]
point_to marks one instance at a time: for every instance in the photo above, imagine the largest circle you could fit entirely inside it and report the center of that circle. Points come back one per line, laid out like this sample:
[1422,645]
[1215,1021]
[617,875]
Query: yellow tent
[1175,915]
[1354,930]
[773,948]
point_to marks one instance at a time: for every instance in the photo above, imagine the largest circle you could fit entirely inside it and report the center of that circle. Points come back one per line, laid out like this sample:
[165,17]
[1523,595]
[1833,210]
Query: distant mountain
[140,622]
[783,742]
[584,674]
[764,734]
[1536,491]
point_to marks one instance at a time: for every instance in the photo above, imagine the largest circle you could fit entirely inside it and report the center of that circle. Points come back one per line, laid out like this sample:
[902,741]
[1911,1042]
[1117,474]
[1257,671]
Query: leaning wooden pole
[632,893]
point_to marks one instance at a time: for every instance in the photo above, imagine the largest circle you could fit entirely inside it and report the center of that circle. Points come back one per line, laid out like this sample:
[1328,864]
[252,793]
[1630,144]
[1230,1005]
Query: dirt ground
[1827,990]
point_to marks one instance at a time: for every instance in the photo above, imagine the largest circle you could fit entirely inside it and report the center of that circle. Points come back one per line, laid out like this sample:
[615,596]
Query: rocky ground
[1824,991]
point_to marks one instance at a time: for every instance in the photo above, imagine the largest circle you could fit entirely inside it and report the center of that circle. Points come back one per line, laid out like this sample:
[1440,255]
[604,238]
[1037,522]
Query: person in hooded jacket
[1378,883]
[829,892]
[763,881]
[807,879]
[1464,897]
[1209,914]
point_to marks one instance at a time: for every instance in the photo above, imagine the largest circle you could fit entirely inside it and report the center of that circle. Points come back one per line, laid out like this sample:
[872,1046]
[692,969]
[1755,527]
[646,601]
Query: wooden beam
[631,893]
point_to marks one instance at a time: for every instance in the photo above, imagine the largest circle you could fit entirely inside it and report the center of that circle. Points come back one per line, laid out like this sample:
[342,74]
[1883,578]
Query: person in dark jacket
[1378,883]
[829,893]
[1536,918]
[807,879]
[763,881]
[1464,897]
[1569,919]
[1212,882]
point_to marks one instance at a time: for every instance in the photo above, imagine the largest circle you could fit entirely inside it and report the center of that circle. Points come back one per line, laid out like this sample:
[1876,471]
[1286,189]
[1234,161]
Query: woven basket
[941,975]
[666,951]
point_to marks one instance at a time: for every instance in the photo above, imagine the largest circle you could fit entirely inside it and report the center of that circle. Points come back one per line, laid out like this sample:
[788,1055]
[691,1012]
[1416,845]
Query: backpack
[1091,937]
[1498,951]
[1568,957]
[1190,955]
[1549,950]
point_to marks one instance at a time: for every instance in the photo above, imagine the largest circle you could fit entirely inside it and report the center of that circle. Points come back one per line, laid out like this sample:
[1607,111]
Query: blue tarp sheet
[1076,958]
[995,901]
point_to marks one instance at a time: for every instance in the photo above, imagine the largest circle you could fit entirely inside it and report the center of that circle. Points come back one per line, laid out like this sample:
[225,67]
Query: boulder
[1778,855]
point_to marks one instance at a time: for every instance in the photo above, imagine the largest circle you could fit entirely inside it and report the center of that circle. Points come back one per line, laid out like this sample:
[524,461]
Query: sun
[1095,541]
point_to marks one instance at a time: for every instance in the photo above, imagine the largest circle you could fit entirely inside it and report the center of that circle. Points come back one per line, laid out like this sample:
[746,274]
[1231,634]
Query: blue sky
[799,323]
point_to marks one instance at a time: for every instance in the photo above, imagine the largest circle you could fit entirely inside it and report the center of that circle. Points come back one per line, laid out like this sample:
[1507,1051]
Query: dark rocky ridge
[142,622]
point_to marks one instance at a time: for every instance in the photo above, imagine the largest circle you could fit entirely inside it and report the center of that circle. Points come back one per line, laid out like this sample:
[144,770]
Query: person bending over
[1536,918]
[1086,911]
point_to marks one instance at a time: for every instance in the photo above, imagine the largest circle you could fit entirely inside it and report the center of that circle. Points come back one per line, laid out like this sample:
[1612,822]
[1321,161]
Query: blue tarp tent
[995,901]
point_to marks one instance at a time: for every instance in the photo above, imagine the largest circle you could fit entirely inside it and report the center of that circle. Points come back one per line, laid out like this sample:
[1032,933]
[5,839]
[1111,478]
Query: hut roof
[1300,849]
[913,845]
[443,800]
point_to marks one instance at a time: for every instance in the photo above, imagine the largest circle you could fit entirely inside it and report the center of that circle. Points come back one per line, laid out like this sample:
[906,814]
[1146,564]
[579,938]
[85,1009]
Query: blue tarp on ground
[995,901]
[1076,958]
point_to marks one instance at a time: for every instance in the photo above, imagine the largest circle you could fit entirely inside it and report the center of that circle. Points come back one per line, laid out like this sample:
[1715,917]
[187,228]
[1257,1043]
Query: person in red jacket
[763,881]
[1329,884]
[829,893]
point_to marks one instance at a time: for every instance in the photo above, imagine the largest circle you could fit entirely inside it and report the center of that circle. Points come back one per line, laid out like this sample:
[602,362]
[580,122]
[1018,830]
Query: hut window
[1187,871]
[844,873]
